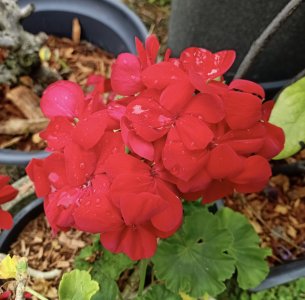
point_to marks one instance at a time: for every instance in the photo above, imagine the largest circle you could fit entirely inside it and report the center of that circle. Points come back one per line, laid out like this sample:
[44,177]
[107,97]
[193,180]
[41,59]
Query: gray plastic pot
[235,24]
[108,24]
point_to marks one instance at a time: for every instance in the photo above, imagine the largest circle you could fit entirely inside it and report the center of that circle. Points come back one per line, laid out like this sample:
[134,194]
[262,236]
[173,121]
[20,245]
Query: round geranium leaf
[289,114]
[159,292]
[194,260]
[77,285]
[245,249]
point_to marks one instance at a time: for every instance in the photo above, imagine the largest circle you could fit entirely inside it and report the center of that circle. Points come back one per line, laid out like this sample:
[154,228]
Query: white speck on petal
[213,71]
[163,120]
[137,110]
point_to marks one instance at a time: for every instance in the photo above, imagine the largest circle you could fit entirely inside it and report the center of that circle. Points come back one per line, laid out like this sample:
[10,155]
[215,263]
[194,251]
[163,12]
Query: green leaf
[112,265]
[159,292]
[194,260]
[245,249]
[77,285]
[108,288]
[100,260]
[84,260]
[289,114]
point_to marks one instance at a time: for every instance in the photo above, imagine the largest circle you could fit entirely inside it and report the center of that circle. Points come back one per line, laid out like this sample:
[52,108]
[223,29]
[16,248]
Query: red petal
[101,184]
[207,106]
[88,131]
[63,98]
[160,75]
[136,143]
[126,75]
[148,118]
[137,243]
[141,52]
[245,141]
[80,164]
[169,219]
[36,172]
[111,143]
[224,162]
[119,164]
[58,133]
[4,180]
[255,175]
[176,96]
[54,166]
[207,86]
[247,86]
[205,63]
[139,208]
[152,48]
[267,109]
[197,183]
[7,193]
[242,110]
[167,54]
[97,214]
[217,190]
[180,161]
[224,60]
[130,183]
[194,133]
[116,112]
[6,220]
[273,142]
[60,215]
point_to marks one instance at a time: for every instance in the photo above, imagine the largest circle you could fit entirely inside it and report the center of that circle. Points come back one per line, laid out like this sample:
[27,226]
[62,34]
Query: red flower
[189,135]
[138,209]
[7,193]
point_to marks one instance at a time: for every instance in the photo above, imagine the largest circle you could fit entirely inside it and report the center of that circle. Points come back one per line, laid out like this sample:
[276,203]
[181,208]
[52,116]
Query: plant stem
[21,277]
[262,40]
[34,293]
[143,268]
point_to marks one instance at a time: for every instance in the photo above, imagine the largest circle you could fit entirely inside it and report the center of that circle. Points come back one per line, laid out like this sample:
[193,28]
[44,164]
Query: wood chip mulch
[46,252]
[277,214]
[155,17]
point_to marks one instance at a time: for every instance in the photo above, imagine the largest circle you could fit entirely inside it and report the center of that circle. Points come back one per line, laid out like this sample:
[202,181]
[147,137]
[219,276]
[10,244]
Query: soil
[277,213]
[46,252]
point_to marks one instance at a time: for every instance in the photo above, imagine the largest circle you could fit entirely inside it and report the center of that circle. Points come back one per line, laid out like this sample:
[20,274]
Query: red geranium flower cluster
[122,165]
[7,193]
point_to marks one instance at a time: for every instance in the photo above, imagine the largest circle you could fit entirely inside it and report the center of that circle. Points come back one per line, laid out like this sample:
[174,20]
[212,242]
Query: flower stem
[34,293]
[143,268]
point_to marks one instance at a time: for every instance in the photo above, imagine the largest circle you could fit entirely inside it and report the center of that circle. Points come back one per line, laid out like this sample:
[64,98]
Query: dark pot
[283,274]
[235,24]
[21,219]
[108,24]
